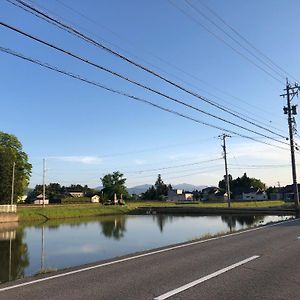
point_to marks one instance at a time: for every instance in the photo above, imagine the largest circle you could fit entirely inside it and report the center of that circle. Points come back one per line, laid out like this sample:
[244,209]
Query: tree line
[113,184]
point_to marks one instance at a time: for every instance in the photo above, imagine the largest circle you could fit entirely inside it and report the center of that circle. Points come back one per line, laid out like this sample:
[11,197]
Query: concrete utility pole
[291,92]
[13,184]
[44,179]
[223,137]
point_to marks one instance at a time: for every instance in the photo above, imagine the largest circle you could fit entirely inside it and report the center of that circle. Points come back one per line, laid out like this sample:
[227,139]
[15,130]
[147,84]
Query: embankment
[8,217]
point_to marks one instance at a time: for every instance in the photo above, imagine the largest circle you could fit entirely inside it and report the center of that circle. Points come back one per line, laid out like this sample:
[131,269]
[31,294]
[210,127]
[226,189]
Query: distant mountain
[139,189]
[182,186]
[98,188]
[188,187]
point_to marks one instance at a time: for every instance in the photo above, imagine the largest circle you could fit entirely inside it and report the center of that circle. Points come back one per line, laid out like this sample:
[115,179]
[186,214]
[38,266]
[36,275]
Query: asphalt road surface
[260,263]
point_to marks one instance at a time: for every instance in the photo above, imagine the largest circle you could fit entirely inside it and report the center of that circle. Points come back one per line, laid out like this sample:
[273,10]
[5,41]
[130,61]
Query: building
[76,194]
[95,199]
[179,195]
[39,200]
[254,194]
[287,192]
[213,194]
[22,199]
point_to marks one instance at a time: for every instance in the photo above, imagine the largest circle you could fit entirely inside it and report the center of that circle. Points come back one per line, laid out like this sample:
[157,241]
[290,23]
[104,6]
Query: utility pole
[44,179]
[13,184]
[223,137]
[290,111]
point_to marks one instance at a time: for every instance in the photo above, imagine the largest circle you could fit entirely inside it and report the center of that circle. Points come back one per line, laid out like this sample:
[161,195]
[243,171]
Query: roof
[210,190]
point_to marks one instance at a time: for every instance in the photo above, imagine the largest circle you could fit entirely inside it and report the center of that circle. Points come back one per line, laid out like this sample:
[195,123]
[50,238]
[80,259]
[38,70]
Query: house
[39,200]
[75,194]
[95,199]
[276,196]
[214,194]
[254,194]
[179,195]
[287,192]
[22,199]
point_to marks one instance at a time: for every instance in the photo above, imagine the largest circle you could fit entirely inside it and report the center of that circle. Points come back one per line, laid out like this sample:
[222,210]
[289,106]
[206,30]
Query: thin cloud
[139,161]
[89,160]
[258,152]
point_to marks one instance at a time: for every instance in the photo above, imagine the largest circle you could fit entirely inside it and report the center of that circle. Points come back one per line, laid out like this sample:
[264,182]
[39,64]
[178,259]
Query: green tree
[158,191]
[114,184]
[161,188]
[242,183]
[11,151]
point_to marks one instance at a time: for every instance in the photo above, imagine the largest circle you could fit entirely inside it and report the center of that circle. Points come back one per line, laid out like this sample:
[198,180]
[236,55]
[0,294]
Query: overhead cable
[247,41]
[85,60]
[226,43]
[72,30]
[78,77]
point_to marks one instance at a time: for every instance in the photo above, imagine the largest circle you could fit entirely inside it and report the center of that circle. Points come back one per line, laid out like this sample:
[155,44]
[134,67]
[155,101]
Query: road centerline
[205,278]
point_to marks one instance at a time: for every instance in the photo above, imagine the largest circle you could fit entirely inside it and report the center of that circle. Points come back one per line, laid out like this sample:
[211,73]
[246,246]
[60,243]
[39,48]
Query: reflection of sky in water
[70,244]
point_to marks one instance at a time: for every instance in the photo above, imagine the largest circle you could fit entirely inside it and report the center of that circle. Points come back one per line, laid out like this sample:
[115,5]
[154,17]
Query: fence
[8,208]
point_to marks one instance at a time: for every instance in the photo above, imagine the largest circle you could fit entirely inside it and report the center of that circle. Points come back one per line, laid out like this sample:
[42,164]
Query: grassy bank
[52,212]
[38,213]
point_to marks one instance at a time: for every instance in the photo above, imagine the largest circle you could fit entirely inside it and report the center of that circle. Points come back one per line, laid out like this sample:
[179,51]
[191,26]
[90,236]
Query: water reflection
[61,244]
[113,227]
[13,253]
[161,221]
[247,220]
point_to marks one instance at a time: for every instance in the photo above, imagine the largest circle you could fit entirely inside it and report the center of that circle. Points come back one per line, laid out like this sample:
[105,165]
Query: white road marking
[205,278]
[139,256]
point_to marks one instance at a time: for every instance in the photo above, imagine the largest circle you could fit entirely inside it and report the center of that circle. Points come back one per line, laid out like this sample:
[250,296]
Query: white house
[39,200]
[179,195]
[22,199]
[254,195]
[95,199]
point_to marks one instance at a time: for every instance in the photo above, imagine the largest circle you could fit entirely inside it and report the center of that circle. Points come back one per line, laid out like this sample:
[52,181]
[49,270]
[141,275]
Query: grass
[61,211]
[39,213]
[45,271]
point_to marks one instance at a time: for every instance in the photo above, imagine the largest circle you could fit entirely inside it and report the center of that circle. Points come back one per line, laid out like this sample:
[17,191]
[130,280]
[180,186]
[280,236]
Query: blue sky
[85,132]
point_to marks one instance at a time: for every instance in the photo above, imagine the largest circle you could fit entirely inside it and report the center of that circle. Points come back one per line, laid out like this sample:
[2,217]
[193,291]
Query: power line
[154,148]
[75,32]
[78,77]
[144,86]
[233,38]
[165,174]
[262,166]
[224,42]
[213,168]
[176,166]
[158,58]
[246,40]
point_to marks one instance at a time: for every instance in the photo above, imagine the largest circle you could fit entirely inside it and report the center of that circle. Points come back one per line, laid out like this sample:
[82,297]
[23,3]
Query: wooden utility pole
[223,137]
[290,110]
[44,179]
[13,184]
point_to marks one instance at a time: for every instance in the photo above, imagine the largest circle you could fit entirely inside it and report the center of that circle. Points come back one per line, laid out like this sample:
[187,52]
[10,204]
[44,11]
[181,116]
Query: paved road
[257,264]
